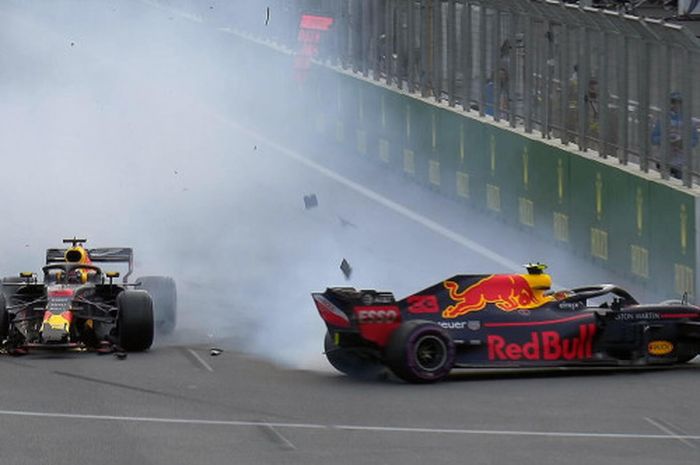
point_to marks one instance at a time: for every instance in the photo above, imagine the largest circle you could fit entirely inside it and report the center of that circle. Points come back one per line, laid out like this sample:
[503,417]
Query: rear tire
[135,320]
[352,363]
[163,291]
[420,352]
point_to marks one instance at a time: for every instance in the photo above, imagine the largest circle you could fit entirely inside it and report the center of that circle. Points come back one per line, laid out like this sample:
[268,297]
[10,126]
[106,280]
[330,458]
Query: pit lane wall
[622,219]
[636,226]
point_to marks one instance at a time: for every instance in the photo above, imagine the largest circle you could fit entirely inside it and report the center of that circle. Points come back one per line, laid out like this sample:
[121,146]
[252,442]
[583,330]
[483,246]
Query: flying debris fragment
[310,201]
[267,16]
[346,269]
[214,351]
[346,223]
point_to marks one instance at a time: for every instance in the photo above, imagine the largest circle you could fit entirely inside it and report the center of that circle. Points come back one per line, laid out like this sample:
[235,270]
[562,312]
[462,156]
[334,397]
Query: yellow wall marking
[339,98]
[598,196]
[409,162]
[599,243]
[561,227]
[384,150]
[493,197]
[493,155]
[361,107]
[684,229]
[461,142]
[383,111]
[526,211]
[362,141]
[684,279]
[560,180]
[639,261]
[463,184]
[408,122]
[640,211]
[434,172]
[526,174]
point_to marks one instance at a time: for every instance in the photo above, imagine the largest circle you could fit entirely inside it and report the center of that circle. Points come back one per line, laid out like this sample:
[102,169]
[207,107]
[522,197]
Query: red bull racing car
[77,305]
[501,320]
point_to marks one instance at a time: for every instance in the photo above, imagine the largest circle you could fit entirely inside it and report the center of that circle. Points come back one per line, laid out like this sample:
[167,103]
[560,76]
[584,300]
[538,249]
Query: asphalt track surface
[177,404]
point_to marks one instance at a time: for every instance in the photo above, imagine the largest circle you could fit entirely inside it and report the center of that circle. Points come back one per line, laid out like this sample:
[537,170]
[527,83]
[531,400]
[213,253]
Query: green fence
[639,228]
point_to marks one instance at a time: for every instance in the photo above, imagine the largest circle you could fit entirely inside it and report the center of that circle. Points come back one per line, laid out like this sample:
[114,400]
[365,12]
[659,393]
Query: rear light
[330,313]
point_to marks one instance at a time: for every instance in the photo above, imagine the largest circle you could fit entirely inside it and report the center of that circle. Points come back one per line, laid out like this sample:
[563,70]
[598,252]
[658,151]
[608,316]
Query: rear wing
[98,255]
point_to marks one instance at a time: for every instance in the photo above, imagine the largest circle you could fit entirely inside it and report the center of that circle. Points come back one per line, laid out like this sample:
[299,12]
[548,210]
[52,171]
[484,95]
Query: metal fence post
[527,75]
[687,117]
[549,72]
[482,58]
[496,64]
[624,99]
[467,36]
[424,47]
[389,22]
[514,19]
[411,46]
[451,50]
[564,83]
[583,76]
[644,71]
[602,97]
[665,86]
[437,44]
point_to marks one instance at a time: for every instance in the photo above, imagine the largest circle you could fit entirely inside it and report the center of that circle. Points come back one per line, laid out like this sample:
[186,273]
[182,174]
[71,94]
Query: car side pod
[420,351]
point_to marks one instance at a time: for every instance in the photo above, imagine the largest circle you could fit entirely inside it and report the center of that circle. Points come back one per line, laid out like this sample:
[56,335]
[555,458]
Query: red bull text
[545,345]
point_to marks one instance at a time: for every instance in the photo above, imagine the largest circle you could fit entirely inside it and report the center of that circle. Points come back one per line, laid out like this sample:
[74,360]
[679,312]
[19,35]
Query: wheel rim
[430,353]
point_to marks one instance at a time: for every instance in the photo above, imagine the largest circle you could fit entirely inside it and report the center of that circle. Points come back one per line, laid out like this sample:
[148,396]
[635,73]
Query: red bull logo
[545,345]
[507,292]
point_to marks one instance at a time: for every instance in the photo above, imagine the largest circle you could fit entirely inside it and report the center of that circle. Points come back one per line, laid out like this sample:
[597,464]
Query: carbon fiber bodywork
[513,321]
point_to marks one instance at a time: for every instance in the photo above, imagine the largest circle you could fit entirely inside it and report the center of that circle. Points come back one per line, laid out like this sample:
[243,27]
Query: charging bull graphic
[507,292]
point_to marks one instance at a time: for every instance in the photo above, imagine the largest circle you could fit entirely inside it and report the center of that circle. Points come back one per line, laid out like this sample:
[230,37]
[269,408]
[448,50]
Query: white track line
[316,426]
[201,360]
[380,199]
[670,432]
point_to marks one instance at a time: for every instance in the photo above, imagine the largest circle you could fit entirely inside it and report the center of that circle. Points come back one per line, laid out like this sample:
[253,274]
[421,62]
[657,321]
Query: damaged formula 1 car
[77,305]
[501,320]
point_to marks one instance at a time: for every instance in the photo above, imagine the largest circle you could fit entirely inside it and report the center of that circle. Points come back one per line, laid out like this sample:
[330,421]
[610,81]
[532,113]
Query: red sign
[310,29]
[319,23]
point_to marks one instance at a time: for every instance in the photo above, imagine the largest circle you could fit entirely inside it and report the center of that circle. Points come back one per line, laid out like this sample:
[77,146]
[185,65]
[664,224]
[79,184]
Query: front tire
[420,352]
[135,320]
[163,291]
[352,363]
